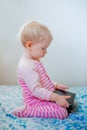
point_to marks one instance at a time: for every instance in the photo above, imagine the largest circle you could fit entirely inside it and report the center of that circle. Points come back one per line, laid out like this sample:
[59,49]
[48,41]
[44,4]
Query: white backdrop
[66,61]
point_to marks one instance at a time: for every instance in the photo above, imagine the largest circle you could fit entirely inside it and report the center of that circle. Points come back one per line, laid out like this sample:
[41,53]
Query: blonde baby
[38,89]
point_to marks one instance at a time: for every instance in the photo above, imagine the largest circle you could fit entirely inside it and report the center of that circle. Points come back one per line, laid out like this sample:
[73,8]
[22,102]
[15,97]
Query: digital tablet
[67,93]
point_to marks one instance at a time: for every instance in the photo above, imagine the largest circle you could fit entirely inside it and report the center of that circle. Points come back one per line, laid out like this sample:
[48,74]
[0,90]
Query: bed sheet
[11,97]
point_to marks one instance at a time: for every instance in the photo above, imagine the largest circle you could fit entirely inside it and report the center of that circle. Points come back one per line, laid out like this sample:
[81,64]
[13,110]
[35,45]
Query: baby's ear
[28,44]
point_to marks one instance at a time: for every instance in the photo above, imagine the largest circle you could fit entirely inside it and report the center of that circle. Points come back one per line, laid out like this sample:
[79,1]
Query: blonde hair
[34,32]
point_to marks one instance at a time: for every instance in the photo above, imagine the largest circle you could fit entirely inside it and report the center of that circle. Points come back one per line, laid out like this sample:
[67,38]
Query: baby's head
[34,32]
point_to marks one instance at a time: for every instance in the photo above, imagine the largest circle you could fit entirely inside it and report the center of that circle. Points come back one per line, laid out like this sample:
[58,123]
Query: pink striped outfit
[37,88]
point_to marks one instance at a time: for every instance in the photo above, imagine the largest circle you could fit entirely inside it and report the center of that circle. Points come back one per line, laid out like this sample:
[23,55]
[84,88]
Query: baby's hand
[61,87]
[61,100]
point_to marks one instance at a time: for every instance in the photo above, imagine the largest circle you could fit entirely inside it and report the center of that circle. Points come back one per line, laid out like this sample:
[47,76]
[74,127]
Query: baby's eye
[43,48]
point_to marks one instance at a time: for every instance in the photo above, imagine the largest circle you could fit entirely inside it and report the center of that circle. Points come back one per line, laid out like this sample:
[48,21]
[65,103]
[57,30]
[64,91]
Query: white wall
[66,61]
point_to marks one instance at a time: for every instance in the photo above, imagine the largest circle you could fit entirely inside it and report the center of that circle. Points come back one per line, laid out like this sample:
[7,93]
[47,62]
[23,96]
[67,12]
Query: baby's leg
[19,111]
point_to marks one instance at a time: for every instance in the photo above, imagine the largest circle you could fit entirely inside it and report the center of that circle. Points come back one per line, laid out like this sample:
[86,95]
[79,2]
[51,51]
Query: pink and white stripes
[36,93]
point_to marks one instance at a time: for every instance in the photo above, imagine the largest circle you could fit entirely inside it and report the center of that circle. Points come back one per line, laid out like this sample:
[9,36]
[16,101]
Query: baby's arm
[31,78]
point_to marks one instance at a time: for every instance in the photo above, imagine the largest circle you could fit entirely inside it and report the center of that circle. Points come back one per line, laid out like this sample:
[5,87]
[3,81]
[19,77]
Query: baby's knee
[63,113]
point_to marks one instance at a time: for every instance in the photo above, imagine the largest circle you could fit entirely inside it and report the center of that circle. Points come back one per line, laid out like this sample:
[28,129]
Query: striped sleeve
[31,78]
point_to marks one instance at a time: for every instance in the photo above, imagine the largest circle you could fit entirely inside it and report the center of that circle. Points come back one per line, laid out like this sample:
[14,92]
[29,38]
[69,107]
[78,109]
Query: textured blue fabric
[11,97]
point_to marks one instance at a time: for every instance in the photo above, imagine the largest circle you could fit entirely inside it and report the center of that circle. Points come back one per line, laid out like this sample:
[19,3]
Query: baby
[38,89]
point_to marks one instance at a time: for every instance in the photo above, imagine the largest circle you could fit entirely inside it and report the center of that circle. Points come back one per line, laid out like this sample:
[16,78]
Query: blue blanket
[11,97]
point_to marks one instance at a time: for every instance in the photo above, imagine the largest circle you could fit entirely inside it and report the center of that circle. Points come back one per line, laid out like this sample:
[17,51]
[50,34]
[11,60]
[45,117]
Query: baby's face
[39,50]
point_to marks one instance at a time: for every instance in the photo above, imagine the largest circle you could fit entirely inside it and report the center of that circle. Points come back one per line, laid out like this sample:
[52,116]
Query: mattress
[11,97]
